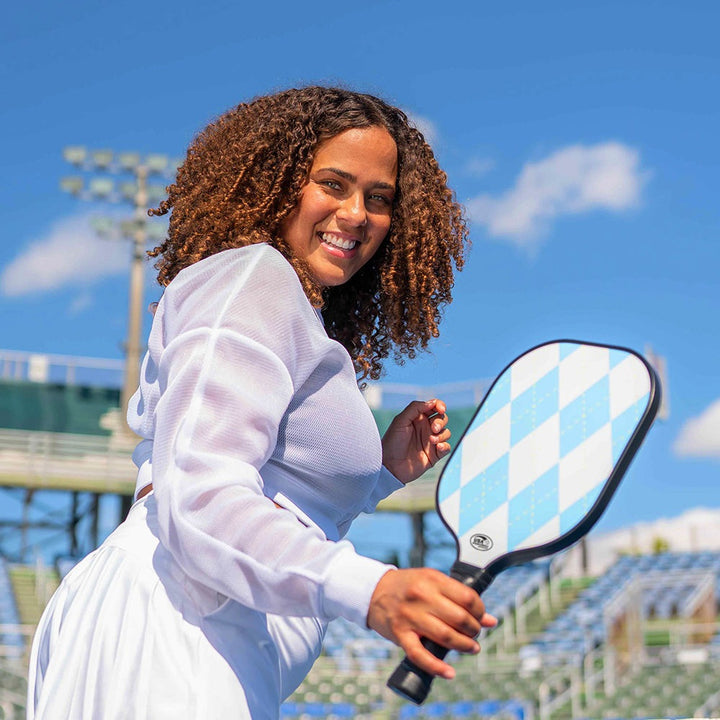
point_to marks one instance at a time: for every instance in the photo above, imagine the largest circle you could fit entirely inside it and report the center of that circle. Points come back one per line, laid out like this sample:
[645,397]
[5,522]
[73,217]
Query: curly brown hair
[243,175]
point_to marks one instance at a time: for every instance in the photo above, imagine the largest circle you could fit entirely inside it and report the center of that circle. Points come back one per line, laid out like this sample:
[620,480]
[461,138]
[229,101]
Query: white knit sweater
[244,400]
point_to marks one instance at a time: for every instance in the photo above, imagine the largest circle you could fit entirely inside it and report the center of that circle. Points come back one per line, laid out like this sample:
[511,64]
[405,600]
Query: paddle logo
[481,542]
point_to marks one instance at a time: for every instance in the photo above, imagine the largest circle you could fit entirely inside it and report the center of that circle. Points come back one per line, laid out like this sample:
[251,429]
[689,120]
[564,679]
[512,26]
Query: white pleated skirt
[129,636]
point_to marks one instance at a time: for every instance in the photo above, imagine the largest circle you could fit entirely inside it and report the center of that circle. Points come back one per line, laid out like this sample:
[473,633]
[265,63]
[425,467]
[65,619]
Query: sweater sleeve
[386,485]
[237,341]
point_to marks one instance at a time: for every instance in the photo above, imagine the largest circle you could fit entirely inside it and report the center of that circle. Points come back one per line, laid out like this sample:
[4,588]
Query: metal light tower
[139,193]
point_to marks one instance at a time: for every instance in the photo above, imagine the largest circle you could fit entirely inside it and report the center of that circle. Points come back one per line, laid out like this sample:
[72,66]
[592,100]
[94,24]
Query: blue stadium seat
[341,710]
[488,707]
[514,708]
[290,710]
[437,710]
[315,710]
[409,711]
[462,708]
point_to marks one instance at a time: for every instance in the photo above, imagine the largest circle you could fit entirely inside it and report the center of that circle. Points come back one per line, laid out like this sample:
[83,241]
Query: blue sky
[581,137]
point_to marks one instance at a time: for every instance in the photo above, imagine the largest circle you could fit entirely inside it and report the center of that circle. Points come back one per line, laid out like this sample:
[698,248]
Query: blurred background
[582,140]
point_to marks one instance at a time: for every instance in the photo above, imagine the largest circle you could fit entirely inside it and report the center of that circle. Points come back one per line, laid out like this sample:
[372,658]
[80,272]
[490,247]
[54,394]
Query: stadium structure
[635,636]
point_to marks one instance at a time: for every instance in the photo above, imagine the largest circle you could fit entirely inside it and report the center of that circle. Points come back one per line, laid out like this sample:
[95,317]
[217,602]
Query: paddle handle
[408,680]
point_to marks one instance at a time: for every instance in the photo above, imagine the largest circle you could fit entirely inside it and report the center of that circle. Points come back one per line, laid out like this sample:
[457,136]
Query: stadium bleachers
[516,585]
[672,690]
[349,680]
[582,627]
[508,695]
[32,588]
[503,687]
[13,643]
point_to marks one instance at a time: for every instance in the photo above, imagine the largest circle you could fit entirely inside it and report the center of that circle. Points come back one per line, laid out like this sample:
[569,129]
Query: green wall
[55,408]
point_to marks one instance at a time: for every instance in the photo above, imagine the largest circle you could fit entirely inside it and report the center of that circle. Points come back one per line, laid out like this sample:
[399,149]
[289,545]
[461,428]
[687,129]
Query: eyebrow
[351,178]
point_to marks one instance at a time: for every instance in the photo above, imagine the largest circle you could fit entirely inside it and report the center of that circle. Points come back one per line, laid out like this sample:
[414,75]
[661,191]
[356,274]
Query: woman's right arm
[232,343]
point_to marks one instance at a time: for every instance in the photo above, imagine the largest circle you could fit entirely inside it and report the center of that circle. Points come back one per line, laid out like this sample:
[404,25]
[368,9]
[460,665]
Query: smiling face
[344,211]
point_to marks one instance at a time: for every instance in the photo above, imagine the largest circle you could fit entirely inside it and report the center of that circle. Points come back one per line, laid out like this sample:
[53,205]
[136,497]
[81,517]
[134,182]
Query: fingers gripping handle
[408,680]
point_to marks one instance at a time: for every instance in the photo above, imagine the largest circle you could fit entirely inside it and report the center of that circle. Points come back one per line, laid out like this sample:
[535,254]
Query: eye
[380,198]
[332,184]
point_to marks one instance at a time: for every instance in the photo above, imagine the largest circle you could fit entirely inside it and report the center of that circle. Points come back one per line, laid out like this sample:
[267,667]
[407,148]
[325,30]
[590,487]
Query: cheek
[316,207]
[382,228]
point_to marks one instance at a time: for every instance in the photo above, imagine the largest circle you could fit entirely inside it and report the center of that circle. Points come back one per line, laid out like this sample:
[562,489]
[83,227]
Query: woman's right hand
[416,603]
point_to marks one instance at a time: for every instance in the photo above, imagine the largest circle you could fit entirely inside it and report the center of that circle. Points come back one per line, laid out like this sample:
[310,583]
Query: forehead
[367,151]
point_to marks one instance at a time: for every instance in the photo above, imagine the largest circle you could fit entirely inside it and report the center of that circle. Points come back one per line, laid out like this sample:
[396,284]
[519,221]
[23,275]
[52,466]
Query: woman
[311,235]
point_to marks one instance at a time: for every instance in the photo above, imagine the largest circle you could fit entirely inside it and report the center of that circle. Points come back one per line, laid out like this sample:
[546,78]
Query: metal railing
[20,365]
[63,461]
[46,367]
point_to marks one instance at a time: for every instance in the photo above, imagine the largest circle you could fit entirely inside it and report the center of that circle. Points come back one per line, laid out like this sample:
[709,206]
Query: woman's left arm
[416,439]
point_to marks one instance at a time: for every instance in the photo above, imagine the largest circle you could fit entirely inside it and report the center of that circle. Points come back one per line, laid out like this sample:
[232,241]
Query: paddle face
[545,451]
[538,463]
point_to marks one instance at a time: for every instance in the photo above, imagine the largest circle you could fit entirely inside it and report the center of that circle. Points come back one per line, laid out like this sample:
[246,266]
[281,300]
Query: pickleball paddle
[538,463]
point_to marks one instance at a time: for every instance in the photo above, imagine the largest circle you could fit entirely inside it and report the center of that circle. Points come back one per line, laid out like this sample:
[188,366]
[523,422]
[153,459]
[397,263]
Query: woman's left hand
[416,439]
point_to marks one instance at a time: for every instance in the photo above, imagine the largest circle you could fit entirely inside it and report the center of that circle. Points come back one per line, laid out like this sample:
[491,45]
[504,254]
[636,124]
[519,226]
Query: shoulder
[251,291]
[249,296]
[236,263]
[257,274]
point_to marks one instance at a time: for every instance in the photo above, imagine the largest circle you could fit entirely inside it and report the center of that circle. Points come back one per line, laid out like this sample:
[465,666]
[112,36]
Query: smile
[338,242]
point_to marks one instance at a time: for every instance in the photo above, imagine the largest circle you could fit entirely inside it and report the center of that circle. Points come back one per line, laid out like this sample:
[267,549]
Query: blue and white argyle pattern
[537,455]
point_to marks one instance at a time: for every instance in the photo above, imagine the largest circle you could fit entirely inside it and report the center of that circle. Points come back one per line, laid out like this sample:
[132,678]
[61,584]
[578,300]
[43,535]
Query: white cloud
[81,303]
[479,166]
[575,179]
[70,255]
[700,436]
[426,126]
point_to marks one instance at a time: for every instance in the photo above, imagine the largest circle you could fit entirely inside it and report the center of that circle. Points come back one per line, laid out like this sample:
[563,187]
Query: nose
[352,210]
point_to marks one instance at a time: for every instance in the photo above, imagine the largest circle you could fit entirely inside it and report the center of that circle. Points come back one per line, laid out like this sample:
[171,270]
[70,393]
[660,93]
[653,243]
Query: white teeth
[331,239]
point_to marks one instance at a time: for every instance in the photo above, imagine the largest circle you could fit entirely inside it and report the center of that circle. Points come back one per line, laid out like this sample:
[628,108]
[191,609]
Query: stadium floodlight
[156,231]
[128,161]
[102,159]
[101,188]
[156,164]
[128,190]
[108,227]
[75,155]
[103,226]
[155,193]
[138,229]
[72,185]
[128,228]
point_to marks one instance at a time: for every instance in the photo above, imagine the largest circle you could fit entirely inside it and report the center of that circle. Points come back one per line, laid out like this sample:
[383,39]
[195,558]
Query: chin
[332,279]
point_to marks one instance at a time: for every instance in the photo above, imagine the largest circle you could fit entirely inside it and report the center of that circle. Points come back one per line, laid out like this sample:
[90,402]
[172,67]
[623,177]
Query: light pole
[140,194]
